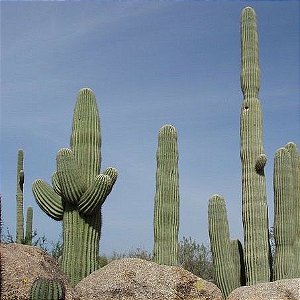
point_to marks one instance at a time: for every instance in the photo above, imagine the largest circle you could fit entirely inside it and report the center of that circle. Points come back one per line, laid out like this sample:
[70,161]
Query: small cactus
[47,289]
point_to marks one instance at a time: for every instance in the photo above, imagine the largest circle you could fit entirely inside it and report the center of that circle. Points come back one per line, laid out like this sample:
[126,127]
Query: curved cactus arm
[55,184]
[69,178]
[260,163]
[95,195]
[113,174]
[48,200]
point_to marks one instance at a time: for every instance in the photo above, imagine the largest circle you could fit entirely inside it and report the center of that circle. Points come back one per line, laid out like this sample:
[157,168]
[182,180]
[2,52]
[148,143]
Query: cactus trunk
[29,219]
[254,200]
[284,216]
[79,190]
[166,207]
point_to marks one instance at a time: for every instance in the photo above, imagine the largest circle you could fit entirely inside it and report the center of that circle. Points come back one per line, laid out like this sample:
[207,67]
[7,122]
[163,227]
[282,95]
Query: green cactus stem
[253,158]
[166,203]
[78,190]
[284,216]
[295,194]
[20,237]
[20,197]
[238,260]
[29,219]
[226,275]
[47,289]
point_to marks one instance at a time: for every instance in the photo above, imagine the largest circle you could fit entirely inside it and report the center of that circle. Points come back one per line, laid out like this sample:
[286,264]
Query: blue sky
[149,63]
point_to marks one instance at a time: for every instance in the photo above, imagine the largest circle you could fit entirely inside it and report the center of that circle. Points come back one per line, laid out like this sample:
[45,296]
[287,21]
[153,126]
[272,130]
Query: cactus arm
[55,184]
[260,163]
[95,195]
[48,200]
[69,177]
[113,175]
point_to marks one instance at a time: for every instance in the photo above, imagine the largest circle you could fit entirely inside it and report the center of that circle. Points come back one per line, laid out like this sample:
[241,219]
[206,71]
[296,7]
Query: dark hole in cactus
[246,107]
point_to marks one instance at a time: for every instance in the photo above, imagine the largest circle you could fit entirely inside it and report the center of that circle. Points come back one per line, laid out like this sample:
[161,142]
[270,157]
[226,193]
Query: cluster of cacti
[20,238]
[79,190]
[225,264]
[47,289]
[166,207]
[254,265]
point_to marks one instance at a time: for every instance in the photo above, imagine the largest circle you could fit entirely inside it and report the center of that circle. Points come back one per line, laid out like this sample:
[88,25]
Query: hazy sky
[149,63]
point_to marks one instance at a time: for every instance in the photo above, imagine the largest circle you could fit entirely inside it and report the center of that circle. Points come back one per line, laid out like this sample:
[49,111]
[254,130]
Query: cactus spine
[47,289]
[20,238]
[79,190]
[226,275]
[254,200]
[166,206]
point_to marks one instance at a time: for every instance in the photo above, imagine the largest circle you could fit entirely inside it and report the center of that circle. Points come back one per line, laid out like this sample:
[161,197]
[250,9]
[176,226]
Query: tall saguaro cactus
[79,190]
[166,207]
[20,238]
[226,274]
[284,216]
[20,197]
[253,158]
[295,195]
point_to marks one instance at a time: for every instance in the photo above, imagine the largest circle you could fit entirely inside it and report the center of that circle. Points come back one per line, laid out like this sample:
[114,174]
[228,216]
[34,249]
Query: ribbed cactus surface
[78,190]
[47,289]
[293,151]
[21,236]
[253,158]
[284,216]
[29,219]
[166,203]
[238,260]
[20,197]
[226,275]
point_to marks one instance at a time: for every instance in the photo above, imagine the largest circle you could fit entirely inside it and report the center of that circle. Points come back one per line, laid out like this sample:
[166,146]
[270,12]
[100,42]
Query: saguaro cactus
[20,197]
[238,260]
[226,275]
[166,207]
[20,238]
[284,216]
[253,158]
[47,289]
[78,190]
[295,194]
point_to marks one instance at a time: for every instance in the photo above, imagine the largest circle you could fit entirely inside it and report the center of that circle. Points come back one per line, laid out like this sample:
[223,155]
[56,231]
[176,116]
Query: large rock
[287,289]
[21,265]
[137,279]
